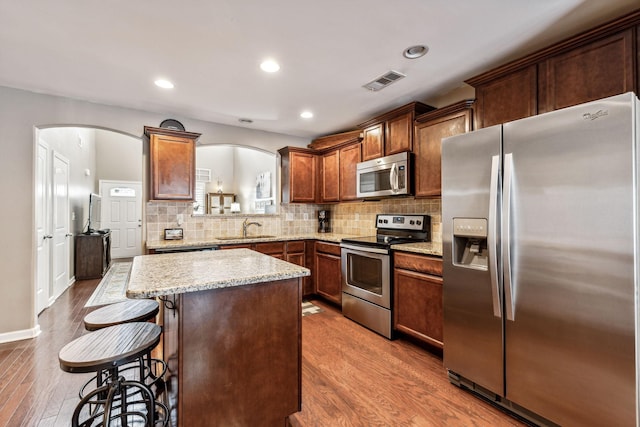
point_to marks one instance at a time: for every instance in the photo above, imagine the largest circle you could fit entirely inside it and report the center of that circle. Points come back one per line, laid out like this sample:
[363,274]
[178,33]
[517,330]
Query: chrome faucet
[246,224]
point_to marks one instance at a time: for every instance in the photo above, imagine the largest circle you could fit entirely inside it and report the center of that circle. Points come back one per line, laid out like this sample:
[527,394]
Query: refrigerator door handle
[509,286]
[492,236]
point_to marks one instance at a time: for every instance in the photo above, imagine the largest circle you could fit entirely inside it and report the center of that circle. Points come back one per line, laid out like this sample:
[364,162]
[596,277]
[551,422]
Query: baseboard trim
[24,334]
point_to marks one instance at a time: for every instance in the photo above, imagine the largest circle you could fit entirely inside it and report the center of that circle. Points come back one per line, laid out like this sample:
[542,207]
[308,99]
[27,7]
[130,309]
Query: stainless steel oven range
[367,279]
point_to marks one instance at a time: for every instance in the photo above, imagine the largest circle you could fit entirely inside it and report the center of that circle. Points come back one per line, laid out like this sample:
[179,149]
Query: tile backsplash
[354,218]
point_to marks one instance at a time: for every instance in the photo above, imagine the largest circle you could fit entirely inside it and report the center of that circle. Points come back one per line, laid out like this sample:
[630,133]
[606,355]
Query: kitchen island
[231,334]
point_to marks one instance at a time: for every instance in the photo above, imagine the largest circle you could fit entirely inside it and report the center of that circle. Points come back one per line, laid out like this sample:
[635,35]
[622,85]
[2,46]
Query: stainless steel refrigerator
[540,251]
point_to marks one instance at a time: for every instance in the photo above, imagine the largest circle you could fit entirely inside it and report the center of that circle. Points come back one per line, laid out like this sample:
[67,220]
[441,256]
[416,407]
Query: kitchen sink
[263,236]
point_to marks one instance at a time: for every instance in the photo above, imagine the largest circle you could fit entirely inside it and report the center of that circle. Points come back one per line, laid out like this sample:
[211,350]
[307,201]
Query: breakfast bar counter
[231,334]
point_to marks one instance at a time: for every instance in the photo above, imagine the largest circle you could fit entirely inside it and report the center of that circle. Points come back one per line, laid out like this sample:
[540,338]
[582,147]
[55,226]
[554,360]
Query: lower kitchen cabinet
[275,249]
[327,271]
[418,297]
[297,254]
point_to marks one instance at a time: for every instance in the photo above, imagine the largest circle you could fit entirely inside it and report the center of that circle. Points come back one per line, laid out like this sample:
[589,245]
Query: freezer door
[472,306]
[569,274]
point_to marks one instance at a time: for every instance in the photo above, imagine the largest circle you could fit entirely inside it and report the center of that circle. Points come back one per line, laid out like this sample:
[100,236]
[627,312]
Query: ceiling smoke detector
[384,81]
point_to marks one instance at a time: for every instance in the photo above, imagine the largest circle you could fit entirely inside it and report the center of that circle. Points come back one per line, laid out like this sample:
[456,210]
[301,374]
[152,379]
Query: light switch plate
[305,216]
[289,217]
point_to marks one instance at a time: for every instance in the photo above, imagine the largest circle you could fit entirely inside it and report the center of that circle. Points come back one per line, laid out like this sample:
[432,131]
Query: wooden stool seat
[117,400]
[109,347]
[140,310]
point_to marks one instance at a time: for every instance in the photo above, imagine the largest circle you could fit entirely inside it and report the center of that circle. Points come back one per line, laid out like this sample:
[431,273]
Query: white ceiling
[111,51]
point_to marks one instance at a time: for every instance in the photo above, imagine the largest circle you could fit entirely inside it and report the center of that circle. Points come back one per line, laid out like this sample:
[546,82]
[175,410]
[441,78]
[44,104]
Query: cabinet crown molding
[149,130]
[416,107]
[614,26]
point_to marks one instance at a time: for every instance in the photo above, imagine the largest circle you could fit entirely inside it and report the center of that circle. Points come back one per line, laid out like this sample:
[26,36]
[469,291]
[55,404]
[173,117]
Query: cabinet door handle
[47,236]
[68,235]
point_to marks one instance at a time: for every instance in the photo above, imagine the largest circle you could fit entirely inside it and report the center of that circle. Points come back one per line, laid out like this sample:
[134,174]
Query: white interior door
[43,227]
[122,214]
[61,235]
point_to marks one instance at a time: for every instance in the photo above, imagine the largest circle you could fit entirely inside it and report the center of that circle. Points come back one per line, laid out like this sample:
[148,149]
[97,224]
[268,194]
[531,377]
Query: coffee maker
[323,221]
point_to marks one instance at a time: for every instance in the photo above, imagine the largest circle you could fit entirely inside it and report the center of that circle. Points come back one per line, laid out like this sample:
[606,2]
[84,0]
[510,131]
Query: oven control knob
[380,221]
[412,222]
[419,222]
[386,221]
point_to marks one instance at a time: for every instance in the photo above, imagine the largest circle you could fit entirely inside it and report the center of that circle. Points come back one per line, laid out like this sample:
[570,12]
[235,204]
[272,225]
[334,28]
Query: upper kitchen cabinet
[594,64]
[330,177]
[338,174]
[172,163]
[391,132]
[339,154]
[593,71]
[349,158]
[299,174]
[373,142]
[506,98]
[430,129]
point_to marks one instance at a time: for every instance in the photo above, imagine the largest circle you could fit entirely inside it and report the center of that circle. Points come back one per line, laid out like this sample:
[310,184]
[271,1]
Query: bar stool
[151,371]
[135,310]
[117,398]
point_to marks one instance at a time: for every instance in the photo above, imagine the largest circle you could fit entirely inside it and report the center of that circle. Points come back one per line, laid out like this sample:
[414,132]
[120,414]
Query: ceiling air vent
[384,81]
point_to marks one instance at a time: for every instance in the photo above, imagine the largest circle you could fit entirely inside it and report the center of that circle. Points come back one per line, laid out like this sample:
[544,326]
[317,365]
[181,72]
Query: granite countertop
[176,273]
[424,248]
[172,244]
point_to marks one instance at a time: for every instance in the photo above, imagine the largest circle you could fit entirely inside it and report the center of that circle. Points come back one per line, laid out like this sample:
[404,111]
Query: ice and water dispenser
[470,243]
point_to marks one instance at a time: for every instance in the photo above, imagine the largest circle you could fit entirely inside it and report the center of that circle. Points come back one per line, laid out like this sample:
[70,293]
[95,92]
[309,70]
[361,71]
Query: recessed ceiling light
[306,114]
[165,84]
[414,52]
[270,66]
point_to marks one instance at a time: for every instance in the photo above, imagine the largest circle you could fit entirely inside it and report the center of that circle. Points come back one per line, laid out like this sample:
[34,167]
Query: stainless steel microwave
[386,176]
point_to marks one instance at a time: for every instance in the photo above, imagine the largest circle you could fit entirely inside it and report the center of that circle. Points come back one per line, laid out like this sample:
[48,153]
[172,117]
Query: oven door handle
[362,249]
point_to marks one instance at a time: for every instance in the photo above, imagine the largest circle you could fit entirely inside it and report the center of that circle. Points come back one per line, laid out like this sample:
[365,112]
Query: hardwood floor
[350,377]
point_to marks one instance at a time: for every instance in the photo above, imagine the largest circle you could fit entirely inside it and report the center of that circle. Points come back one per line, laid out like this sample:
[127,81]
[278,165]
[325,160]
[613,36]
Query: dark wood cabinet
[349,158]
[92,255]
[297,254]
[391,132]
[507,98]
[172,163]
[373,142]
[274,249]
[594,64]
[418,305]
[593,71]
[330,180]
[430,129]
[246,373]
[399,134]
[299,173]
[327,271]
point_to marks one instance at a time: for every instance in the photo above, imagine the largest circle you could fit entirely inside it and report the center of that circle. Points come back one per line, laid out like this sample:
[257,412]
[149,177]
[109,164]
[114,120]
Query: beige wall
[22,112]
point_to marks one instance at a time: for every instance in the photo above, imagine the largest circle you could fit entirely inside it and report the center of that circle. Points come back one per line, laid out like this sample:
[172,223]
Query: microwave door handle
[393,177]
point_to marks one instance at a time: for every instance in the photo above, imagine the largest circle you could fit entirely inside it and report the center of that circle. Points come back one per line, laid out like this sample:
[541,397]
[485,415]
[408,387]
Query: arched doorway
[92,155]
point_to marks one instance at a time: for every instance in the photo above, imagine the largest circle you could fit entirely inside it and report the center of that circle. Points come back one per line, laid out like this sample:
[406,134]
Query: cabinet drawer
[270,247]
[420,263]
[295,247]
[328,248]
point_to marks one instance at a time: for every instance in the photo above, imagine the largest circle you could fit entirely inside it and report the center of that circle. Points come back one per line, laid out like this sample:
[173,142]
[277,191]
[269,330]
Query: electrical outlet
[179,219]
[289,217]
[305,216]
[357,216]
